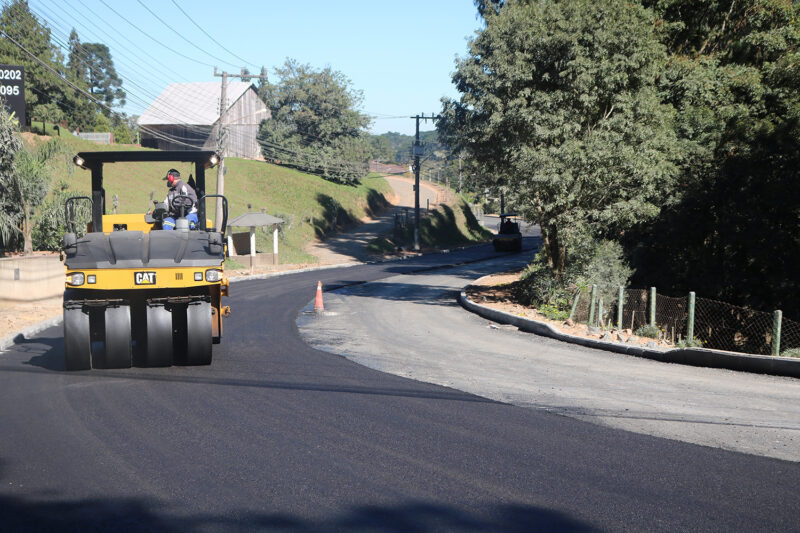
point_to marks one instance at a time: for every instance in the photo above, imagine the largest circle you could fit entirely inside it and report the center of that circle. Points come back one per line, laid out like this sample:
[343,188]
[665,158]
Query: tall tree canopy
[560,109]
[315,122]
[731,228]
[102,76]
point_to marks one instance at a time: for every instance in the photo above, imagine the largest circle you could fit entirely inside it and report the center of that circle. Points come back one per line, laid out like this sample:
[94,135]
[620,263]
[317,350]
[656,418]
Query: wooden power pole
[418,151]
[222,133]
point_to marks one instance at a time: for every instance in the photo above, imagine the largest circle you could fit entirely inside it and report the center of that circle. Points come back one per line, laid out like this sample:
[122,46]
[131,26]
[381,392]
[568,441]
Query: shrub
[693,343]
[553,313]
[649,330]
[791,352]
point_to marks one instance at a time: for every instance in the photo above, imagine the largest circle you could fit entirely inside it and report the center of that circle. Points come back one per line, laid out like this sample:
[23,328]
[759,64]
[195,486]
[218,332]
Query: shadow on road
[135,514]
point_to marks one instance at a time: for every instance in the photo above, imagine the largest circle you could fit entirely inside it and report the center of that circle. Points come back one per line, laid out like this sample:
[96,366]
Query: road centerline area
[276,435]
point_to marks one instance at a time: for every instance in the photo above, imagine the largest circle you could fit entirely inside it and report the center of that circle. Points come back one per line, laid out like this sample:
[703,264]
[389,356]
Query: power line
[179,34]
[153,38]
[210,36]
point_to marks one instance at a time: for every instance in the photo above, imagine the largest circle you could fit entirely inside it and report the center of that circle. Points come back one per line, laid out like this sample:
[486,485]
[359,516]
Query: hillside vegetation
[310,205]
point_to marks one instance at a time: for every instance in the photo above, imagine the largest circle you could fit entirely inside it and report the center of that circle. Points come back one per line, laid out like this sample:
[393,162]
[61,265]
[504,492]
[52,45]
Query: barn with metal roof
[185,116]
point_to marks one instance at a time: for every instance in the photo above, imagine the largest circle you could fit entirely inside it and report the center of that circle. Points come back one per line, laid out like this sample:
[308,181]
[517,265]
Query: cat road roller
[138,295]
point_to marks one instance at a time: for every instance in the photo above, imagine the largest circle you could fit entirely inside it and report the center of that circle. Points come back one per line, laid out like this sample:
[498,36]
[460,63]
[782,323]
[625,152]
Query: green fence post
[690,324]
[652,303]
[592,303]
[620,305]
[600,311]
[574,304]
[776,332]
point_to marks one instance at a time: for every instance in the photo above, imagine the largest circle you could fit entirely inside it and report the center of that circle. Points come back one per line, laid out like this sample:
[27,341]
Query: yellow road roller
[137,294]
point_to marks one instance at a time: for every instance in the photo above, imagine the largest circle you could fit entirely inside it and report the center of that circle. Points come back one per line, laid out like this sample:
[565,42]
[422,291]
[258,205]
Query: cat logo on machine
[144,278]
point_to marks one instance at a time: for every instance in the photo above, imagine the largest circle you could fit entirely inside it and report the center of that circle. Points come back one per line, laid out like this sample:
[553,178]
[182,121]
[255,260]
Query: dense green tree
[10,144]
[42,86]
[559,109]
[82,113]
[315,122]
[730,228]
[102,78]
[381,149]
[28,187]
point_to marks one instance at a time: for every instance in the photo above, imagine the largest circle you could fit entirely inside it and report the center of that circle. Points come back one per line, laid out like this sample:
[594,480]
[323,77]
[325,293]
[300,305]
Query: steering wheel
[181,204]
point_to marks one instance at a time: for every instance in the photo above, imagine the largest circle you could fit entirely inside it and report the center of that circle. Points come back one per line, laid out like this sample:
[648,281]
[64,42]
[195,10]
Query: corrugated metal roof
[255,219]
[191,103]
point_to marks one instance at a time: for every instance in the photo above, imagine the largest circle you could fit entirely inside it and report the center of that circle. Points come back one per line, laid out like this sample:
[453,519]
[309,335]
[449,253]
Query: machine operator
[180,197]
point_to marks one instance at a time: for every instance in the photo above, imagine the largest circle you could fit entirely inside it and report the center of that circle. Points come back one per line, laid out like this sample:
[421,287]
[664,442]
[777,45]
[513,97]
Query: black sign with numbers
[12,91]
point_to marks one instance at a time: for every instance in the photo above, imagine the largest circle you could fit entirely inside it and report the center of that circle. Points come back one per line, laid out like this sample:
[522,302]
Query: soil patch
[503,292]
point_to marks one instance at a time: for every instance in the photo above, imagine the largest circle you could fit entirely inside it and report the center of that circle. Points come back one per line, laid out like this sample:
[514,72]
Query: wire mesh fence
[717,325]
[728,327]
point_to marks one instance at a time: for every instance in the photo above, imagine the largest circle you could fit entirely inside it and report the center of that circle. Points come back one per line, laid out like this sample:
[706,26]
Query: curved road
[277,436]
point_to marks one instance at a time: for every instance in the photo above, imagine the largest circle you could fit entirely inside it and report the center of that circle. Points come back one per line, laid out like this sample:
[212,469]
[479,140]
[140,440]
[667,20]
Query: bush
[686,343]
[553,313]
[589,263]
[791,352]
[49,224]
[649,330]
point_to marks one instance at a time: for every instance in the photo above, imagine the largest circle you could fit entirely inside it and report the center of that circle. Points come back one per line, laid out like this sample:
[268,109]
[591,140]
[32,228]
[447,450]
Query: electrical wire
[179,34]
[211,37]
[160,43]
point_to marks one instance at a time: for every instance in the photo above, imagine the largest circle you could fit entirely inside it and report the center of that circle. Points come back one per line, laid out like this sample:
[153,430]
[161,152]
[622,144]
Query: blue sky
[399,54]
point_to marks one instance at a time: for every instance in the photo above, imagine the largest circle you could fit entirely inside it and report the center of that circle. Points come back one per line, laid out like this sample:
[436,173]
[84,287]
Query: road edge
[705,357]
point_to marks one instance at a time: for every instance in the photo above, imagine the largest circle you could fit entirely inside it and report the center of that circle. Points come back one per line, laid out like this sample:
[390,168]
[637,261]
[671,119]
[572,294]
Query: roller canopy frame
[94,161]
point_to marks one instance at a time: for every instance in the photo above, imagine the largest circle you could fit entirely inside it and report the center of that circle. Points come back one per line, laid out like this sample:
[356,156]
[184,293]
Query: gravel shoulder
[411,325]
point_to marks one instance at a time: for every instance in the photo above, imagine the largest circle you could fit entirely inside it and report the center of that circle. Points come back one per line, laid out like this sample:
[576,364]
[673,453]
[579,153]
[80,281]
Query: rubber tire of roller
[159,336]
[198,333]
[77,346]
[118,337]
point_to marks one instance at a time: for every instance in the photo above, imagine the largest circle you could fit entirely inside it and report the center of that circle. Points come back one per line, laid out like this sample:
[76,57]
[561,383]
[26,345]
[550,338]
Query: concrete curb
[28,332]
[758,364]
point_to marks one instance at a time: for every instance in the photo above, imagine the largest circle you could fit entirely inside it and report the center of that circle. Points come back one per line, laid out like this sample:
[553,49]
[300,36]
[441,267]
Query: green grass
[445,227]
[311,206]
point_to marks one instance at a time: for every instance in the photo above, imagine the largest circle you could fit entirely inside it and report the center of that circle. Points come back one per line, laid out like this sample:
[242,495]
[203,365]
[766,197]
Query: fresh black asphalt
[276,436]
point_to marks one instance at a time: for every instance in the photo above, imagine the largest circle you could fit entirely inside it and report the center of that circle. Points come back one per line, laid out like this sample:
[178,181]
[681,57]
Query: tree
[10,144]
[102,77]
[381,149]
[559,109]
[315,122]
[28,187]
[83,110]
[42,86]
[730,229]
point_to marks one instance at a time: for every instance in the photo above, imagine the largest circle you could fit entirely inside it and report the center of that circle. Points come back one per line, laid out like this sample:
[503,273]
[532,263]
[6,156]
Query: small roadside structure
[239,244]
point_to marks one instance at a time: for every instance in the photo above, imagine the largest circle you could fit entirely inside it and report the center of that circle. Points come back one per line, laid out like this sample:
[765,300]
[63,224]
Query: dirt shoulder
[502,292]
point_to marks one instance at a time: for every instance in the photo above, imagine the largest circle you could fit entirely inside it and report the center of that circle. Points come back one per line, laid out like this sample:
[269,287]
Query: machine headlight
[76,279]
[91,279]
[198,276]
[213,275]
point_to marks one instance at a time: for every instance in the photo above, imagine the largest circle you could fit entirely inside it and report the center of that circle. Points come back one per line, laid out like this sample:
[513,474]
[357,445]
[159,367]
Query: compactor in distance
[508,237]
[136,294]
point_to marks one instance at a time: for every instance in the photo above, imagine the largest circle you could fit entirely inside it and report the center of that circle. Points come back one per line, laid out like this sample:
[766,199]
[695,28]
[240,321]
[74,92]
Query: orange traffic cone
[318,306]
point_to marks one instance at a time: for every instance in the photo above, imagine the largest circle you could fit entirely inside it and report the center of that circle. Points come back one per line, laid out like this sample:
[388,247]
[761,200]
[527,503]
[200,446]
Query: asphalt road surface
[277,436]
[413,326]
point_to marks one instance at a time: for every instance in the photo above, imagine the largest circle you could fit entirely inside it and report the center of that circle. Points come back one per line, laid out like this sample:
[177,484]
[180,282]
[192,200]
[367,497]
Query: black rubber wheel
[118,338]
[159,336]
[77,348]
[198,333]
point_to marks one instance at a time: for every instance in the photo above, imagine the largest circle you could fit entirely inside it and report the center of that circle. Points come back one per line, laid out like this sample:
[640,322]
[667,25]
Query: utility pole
[222,133]
[418,151]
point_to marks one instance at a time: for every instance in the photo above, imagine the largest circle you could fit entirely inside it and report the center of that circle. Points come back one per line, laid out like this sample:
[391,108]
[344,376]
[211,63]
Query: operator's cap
[172,172]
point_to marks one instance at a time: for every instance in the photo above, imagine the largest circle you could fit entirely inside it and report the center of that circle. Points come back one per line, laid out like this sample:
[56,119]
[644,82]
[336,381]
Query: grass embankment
[310,205]
[446,226]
